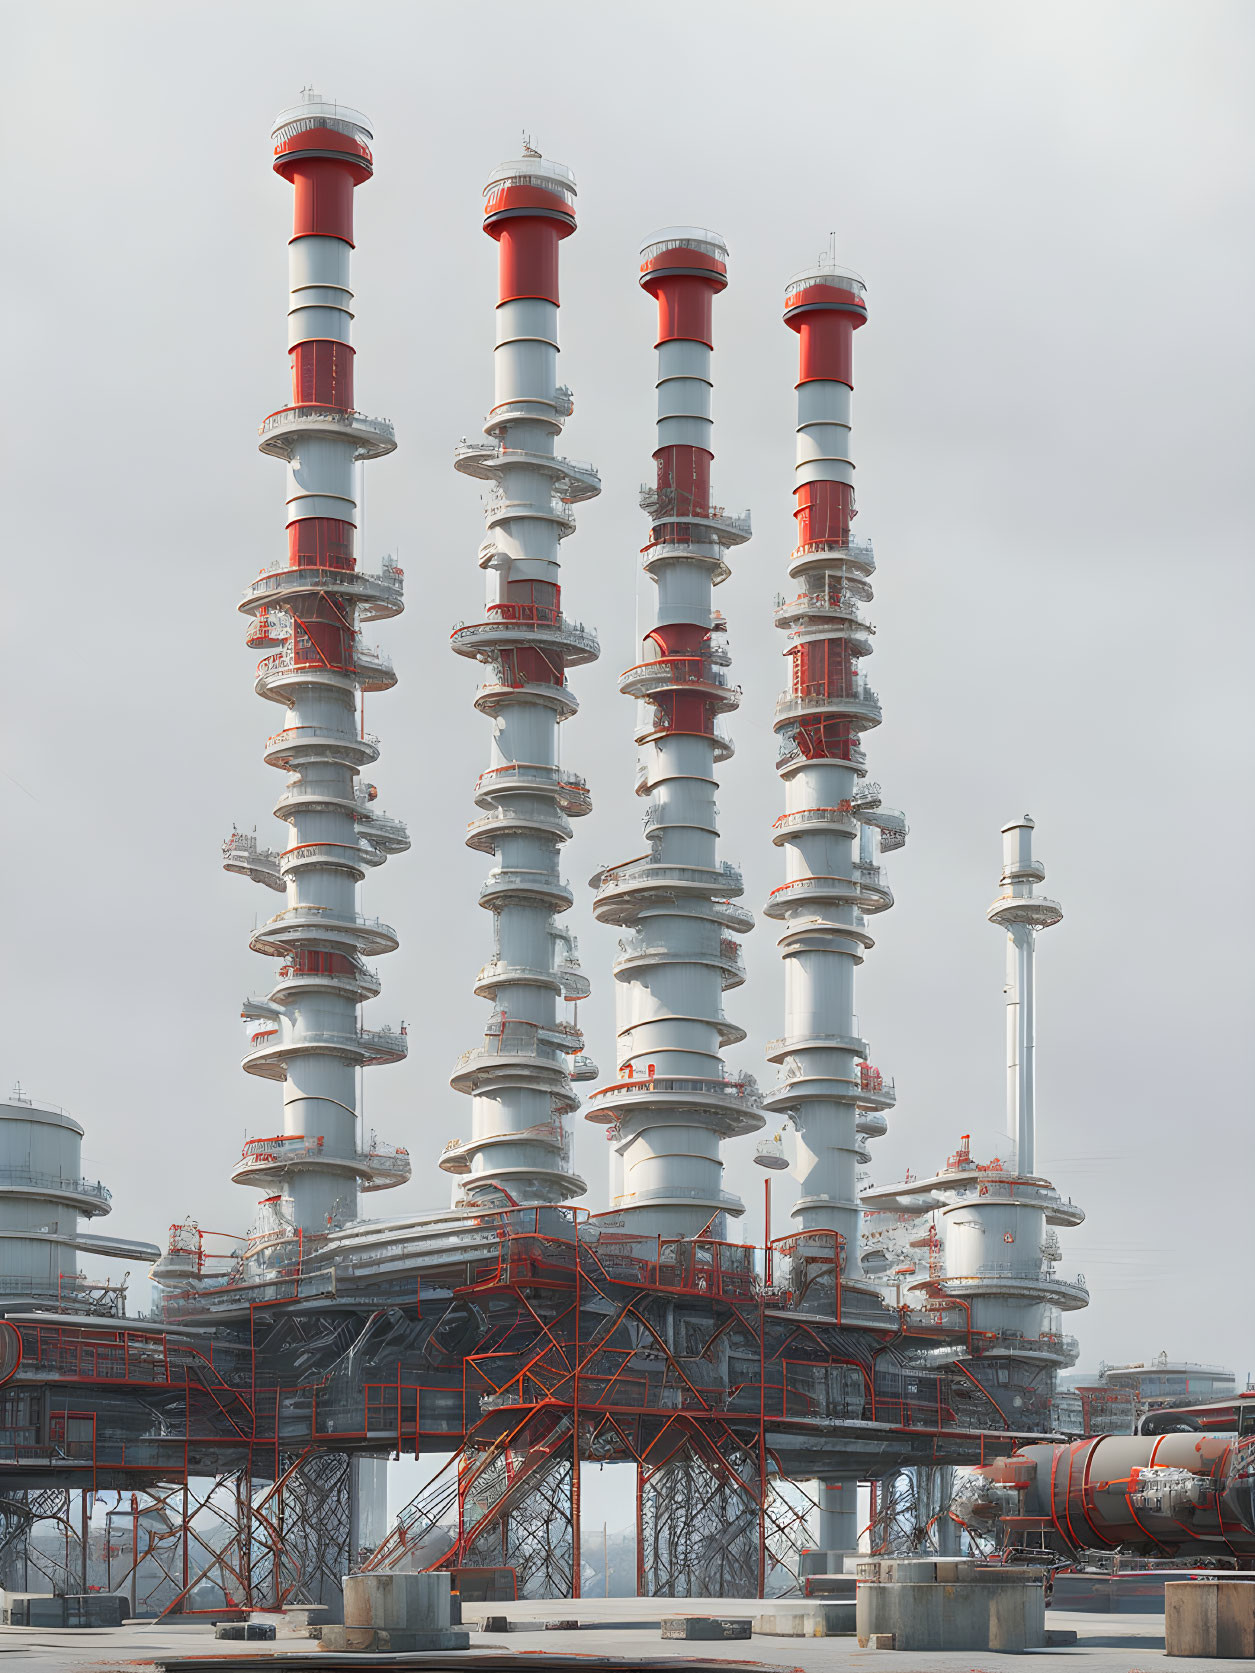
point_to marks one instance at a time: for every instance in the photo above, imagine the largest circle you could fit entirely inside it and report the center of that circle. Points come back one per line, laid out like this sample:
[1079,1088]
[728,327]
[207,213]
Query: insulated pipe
[833,819]
[1021,913]
[307,611]
[1176,1494]
[520,1078]
[671,1103]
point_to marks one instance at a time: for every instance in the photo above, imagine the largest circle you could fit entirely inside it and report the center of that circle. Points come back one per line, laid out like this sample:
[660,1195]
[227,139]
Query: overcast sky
[1051,205]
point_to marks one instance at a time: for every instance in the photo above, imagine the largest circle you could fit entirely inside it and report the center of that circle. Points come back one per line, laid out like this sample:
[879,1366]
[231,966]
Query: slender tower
[1021,913]
[833,817]
[672,1103]
[307,612]
[995,1243]
[520,1079]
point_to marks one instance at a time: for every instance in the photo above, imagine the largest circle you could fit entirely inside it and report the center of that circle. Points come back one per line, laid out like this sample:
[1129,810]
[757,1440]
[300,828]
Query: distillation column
[1021,913]
[834,823]
[307,610]
[520,1079]
[672,1103]
[999,1220]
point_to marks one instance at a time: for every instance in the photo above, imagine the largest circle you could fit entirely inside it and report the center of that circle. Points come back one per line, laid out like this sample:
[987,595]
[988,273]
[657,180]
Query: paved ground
[1107,1644]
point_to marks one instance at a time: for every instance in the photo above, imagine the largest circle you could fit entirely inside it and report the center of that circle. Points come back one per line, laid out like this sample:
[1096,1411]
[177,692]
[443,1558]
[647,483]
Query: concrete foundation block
[411,1611]
[953,1616]
[396,1641]
[829,1586]
[816,1561]
[75,1609]
[15,1607]
[410,1602]
[1210,1618]
[817,1620]
[707,1627]
[253,1632]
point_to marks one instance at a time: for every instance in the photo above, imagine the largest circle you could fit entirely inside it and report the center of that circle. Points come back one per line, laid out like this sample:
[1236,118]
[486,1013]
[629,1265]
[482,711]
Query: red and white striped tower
[834,1097]
[307,611]
[520,1079]
[672,1104]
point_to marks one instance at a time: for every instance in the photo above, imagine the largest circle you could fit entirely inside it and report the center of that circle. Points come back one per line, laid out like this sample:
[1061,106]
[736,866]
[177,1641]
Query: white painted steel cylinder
[672,1103]
[309,1033]
[521,1078]
[833,826]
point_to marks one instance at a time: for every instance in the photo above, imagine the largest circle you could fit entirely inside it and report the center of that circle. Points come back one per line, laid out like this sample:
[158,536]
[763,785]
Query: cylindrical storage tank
[42,1193]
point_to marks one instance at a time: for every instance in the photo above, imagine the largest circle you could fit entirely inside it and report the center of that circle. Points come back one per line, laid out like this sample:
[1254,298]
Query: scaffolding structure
[535,1342]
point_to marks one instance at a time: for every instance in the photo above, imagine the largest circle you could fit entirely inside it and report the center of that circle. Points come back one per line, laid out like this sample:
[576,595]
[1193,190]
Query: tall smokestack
[672,1104]
[1022,913]
[307,611]
[519,1079]
[833,816]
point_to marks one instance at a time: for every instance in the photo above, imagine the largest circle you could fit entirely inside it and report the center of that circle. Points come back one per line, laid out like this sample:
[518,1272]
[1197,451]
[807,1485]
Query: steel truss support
[212,1544]
[698,1529]
[507,1500]
[517,1506]
[912,1513]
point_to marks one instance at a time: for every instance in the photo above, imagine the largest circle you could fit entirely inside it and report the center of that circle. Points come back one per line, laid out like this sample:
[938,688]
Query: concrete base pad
[706,1627]
[816,1620]
[397,1641]
[979,1615]
[1210,1618]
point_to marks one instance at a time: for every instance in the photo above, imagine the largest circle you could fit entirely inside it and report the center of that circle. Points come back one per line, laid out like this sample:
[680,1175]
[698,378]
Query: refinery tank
[42,1195]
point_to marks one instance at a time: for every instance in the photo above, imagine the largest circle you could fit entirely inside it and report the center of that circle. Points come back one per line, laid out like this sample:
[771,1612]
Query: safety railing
[646,870]
[816,884]
[572,788]
[1020,1275]
[853,551]
[348,418]
[30,1179]
[330,916]
[742,1088]
[676,670]
[801,702]
[282,577]
[508,879]
[802,817]
[301,736]
[500,454]
[543,623]
[515,1040]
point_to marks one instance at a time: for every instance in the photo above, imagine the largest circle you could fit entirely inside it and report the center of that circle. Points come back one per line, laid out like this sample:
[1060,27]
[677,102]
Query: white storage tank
[42,1195]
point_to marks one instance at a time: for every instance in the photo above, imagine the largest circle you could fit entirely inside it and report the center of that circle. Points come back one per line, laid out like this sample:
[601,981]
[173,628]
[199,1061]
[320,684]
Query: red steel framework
[724,1392]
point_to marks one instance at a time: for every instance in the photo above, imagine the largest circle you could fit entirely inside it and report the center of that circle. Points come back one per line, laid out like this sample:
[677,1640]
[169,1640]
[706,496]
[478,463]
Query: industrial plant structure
[750,1389]
[520,1079]
[307,610]
[991,1228]
[672,1102]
